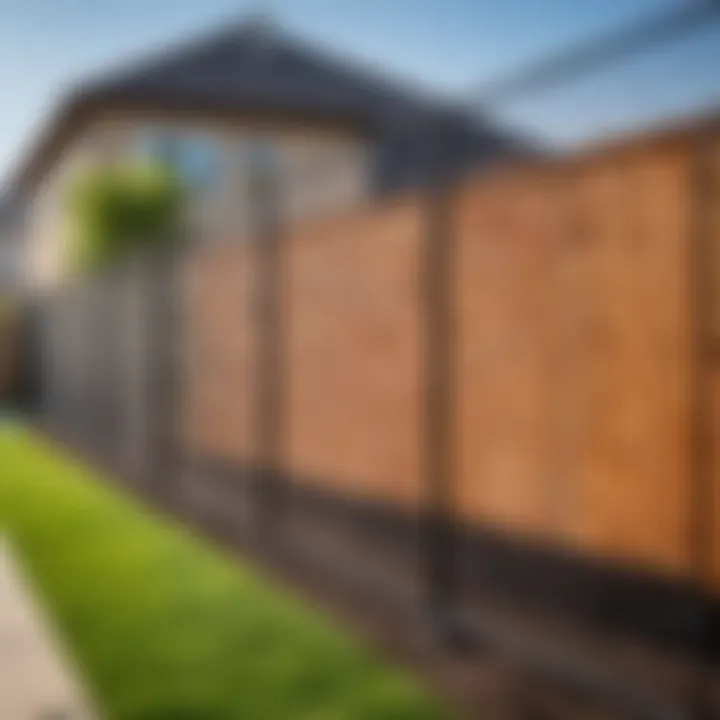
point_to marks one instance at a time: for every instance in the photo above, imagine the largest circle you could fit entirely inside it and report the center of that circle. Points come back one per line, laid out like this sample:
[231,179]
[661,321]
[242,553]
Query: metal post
[163,380]
[439,362]
[265,195]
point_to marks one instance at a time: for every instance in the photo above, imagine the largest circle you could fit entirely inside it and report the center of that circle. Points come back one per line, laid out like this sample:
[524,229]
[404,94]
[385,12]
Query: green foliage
[167,628]
[117,208]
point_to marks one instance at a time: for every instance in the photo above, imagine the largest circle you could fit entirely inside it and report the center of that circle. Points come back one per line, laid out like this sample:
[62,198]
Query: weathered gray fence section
[108,357]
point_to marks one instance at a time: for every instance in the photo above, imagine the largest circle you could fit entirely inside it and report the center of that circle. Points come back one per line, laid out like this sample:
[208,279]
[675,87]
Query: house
[334,134]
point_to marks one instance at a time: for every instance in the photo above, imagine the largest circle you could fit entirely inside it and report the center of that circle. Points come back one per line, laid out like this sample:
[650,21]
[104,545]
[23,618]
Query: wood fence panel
[352,353]
[220,343]
[507,237]
[574,358]
[634,491]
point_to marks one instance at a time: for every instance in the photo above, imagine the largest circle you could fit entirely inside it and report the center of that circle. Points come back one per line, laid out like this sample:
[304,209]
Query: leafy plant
[117,208]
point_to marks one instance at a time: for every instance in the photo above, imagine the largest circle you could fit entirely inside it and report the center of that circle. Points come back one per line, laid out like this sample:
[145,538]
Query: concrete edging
[37,682]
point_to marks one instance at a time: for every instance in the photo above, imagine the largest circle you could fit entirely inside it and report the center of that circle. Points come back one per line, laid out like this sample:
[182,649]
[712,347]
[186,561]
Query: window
[196,159]
[199,163]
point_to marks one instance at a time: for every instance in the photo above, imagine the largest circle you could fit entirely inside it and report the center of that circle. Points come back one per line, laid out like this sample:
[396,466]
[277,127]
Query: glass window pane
[200,163]
[197,160]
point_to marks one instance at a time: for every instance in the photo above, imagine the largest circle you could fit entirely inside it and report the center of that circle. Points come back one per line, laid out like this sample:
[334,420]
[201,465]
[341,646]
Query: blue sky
[451,45]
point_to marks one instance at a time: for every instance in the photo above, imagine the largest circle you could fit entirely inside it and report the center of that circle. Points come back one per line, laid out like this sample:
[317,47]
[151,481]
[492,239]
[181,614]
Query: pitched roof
[256,67]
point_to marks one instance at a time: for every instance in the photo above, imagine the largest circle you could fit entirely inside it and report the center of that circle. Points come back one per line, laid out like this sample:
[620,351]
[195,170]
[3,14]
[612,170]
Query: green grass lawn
[167,628]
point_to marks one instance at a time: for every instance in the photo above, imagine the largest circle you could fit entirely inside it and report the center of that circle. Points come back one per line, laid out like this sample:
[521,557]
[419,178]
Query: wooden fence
[574,328]
[578,423]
